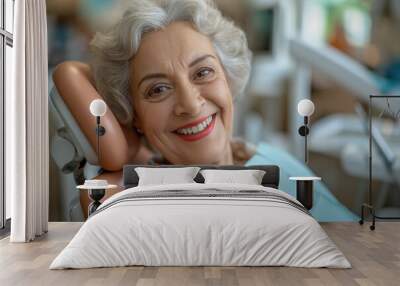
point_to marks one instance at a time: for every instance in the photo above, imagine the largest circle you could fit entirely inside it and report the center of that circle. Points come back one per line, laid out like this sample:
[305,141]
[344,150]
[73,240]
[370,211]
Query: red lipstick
[194,123]
[201,134]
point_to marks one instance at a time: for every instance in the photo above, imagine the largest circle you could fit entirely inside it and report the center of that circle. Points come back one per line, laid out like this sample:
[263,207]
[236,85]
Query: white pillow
[163,176]
[248,177]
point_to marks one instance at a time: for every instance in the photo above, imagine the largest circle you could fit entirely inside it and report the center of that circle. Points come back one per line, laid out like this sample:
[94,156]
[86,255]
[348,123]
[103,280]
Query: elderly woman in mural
[170,72]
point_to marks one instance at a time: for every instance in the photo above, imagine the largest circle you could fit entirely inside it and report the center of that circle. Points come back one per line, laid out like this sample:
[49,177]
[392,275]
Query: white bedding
[186,230]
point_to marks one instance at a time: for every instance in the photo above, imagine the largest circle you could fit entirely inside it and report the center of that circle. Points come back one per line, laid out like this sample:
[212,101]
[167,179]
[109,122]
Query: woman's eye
[157,92]
[203,73]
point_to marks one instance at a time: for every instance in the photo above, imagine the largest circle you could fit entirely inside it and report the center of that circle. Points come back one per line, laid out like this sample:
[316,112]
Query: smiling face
[181,96]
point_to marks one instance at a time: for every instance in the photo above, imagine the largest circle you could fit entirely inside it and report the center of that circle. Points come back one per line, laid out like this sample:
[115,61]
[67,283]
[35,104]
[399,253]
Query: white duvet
[183,231]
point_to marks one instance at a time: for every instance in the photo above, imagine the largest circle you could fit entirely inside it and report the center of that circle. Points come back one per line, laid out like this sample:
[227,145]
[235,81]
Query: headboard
[270,179]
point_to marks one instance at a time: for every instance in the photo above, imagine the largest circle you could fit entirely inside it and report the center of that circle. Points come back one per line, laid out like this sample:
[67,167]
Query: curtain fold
[27,124]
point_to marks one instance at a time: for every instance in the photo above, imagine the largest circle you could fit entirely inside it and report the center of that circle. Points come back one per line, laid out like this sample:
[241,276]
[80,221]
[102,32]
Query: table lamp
[305,108]
[98,108]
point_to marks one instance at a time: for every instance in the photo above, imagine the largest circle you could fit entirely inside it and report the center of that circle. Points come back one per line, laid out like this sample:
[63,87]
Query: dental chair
[68,150]
[72,140]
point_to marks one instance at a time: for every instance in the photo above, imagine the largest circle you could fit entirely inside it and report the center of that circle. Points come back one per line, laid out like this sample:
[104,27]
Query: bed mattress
[201,225]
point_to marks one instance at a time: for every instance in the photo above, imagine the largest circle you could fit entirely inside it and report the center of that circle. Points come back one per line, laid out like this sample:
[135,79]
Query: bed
[201,223]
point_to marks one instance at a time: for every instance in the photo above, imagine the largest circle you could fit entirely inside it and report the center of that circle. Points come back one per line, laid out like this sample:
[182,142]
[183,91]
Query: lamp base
[95,195]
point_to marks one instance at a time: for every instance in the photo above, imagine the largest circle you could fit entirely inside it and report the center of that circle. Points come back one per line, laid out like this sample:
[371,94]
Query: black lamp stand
[97,194]
[304,131]
[100,131]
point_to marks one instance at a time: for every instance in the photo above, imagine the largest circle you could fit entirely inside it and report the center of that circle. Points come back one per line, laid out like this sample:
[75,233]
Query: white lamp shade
[98,107]
[305,107]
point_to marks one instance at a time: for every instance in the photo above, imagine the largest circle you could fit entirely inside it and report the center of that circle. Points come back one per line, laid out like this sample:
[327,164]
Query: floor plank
[374,255]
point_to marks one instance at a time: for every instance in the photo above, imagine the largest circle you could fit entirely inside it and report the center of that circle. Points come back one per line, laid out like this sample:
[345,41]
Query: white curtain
[27,148]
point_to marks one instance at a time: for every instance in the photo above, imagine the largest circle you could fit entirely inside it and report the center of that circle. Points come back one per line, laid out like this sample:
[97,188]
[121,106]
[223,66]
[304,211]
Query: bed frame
[270,179]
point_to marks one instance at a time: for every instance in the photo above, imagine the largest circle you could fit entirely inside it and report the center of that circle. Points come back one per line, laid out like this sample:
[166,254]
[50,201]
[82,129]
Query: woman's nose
[188,100]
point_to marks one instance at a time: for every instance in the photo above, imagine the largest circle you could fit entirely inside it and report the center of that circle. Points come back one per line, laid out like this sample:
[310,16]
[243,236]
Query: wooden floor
[374,255]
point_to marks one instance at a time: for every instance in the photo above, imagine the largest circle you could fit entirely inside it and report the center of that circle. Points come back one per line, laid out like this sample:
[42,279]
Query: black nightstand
[96,193]
[304,190]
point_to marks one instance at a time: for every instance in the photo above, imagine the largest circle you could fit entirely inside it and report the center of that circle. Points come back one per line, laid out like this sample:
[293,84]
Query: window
[6,44]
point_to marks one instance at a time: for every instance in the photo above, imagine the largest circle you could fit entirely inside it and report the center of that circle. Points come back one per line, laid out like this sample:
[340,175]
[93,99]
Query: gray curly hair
[114,49]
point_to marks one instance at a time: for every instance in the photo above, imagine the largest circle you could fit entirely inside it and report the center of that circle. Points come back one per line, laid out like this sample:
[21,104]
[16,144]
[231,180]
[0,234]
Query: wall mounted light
[305,108]
[98,108]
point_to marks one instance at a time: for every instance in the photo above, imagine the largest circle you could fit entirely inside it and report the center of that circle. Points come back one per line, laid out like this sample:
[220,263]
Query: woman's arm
[75,85]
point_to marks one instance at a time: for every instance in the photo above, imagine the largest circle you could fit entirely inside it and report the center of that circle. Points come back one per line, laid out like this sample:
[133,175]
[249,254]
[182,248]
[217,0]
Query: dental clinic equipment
[340,138]
[331,63]
[270,24]
[336,66]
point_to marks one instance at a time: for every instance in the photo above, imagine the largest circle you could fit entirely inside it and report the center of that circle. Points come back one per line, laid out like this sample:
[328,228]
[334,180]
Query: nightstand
[304,190]
[96,191]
